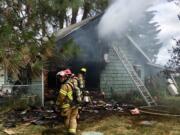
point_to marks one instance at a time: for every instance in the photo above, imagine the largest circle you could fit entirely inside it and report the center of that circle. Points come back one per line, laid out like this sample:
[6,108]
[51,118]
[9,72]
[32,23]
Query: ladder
[137,81]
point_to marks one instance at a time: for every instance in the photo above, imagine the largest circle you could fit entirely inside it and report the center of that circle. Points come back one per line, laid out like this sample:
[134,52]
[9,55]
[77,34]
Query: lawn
[116,124]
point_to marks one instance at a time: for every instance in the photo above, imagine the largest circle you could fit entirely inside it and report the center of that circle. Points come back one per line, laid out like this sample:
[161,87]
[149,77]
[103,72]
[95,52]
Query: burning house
[120,64]
[115,65]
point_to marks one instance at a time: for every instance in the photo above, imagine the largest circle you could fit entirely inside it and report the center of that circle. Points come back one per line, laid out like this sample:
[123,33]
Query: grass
[172,103]
[111,125]
[129,125]
[115,124]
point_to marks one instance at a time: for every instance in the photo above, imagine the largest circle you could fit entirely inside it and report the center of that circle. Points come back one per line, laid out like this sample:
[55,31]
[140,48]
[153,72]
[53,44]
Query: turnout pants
[70,115]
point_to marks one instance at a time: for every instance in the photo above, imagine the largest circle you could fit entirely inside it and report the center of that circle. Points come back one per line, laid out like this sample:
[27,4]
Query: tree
[174,61]
[145,33]
[27,30]
[23,35]
[92,7]
[60,9]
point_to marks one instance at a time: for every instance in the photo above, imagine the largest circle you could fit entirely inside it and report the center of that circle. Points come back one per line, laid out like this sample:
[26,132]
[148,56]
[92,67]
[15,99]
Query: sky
[166,16]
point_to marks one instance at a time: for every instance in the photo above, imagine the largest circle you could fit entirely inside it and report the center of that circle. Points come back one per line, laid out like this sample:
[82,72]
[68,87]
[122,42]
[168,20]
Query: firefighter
[66,103]
[81,77]
[86,99]
[77,90]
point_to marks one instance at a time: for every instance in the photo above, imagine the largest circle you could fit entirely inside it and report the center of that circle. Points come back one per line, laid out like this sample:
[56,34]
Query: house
[113,66]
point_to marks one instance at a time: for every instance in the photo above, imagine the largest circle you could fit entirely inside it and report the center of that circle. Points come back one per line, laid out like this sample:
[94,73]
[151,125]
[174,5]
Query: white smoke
[120,14]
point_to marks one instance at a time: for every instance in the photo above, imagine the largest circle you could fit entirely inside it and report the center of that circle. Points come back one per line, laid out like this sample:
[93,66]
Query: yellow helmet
[83,70]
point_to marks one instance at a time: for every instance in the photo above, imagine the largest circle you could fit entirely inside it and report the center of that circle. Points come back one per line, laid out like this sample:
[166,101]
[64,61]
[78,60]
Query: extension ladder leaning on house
[137,81]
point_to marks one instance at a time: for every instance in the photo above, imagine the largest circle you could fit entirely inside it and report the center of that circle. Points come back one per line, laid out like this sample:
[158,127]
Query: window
[138,69]
[106,58]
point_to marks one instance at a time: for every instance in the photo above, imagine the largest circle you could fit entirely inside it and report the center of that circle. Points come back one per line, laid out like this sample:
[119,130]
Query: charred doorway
[94,70]
[52,83]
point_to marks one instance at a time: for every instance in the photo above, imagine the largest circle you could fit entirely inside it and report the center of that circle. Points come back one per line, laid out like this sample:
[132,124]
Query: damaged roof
[68,30]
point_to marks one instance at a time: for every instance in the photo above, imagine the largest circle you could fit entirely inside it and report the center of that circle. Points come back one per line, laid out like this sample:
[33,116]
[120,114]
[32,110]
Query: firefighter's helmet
[68,72]
[83,70]
[61,73]
[64,73]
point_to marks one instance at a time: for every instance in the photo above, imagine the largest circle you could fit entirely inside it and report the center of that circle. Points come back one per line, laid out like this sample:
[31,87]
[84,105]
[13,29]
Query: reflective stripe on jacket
[65,96]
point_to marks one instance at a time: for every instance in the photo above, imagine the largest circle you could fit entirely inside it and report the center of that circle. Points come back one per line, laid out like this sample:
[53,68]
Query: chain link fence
[12,95]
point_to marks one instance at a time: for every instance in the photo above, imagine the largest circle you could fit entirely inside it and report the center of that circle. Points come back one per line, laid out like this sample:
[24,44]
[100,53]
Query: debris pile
[32,115]
[49,115]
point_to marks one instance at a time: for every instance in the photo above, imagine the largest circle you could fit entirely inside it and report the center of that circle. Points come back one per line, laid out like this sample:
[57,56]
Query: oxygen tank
[86,97]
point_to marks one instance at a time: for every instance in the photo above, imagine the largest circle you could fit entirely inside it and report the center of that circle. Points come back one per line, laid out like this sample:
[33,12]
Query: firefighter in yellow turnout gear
[81,77]
[67,101]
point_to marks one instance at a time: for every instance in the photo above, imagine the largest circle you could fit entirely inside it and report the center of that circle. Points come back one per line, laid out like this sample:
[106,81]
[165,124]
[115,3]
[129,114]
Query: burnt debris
[49,115]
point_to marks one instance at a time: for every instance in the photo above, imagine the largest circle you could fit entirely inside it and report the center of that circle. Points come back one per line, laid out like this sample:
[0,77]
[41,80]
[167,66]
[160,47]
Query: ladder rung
[149,98]
[140,85]
[152,102]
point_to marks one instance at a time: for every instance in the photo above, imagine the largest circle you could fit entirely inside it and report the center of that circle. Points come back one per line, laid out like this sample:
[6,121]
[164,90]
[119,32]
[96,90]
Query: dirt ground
[111,124]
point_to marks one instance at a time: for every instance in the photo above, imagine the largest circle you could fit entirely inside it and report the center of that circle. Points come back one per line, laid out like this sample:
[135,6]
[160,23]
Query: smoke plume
[120,14]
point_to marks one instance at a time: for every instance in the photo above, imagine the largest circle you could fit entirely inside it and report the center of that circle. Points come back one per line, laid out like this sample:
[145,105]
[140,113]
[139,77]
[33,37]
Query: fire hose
[146,110]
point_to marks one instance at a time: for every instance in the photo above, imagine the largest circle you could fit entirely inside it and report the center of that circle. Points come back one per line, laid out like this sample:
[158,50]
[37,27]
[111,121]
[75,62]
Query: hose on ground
[147,110]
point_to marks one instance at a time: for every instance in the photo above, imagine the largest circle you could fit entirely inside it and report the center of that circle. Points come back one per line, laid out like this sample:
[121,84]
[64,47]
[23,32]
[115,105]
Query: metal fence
[25,94]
